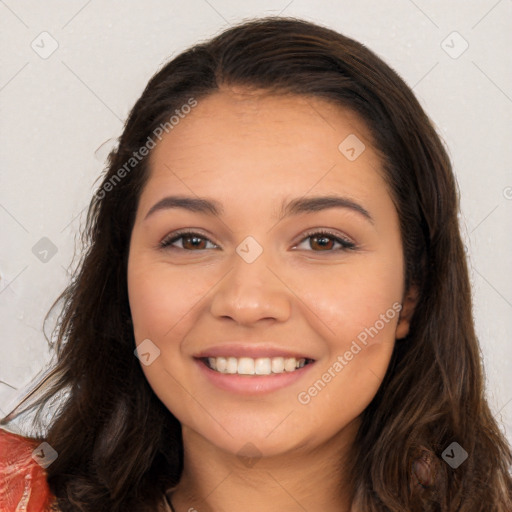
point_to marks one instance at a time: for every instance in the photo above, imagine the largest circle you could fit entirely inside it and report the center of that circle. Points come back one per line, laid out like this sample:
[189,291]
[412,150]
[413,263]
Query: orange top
[23,485]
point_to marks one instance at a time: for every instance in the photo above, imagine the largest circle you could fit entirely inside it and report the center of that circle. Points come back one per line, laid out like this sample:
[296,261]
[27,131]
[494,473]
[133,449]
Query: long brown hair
[120,448]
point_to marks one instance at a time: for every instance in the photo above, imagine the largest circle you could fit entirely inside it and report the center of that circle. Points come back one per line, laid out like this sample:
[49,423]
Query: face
[260,287]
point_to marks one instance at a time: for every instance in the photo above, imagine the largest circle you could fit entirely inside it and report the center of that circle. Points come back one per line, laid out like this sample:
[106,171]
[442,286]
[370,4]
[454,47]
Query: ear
[408,307]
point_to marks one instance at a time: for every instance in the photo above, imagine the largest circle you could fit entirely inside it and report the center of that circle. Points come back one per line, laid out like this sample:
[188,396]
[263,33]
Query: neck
[314,478]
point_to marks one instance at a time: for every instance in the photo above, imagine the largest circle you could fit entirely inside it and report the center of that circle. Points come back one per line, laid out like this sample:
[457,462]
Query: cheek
[355,300]
[361,307]
[359,347]
[162,304]
[161,298]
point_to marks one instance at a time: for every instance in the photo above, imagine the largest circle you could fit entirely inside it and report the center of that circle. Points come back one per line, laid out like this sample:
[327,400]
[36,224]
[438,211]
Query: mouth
[255,366]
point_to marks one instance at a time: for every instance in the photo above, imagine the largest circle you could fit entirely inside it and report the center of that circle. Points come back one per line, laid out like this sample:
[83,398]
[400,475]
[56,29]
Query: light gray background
[58,111]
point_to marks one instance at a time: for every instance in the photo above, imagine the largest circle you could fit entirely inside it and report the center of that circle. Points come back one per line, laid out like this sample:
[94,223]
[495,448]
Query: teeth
[259,366]
[277,365]
[290,364]
[246,366]
[263,366]
[232,365]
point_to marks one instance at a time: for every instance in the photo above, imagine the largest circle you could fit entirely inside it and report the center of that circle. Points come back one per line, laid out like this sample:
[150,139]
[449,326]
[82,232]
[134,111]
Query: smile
[258,366]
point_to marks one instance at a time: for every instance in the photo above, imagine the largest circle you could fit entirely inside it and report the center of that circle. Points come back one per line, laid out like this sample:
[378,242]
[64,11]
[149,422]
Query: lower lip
[252,384]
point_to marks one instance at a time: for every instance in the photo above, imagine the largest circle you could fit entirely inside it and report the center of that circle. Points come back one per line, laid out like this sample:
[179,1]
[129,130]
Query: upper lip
[250,350]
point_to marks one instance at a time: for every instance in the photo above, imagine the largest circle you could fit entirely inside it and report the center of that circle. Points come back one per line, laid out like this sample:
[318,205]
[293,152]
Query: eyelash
[346,245]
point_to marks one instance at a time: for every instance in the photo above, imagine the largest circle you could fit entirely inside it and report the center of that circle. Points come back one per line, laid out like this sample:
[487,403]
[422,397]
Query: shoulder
[23,484]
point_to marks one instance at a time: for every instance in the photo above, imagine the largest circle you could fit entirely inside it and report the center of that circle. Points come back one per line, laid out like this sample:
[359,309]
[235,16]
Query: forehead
[259,141]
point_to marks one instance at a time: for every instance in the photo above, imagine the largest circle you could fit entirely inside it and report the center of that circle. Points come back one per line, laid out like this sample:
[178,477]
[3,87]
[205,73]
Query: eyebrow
[293,207]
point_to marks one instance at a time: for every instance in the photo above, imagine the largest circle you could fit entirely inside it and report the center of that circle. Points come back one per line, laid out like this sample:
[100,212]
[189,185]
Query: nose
[251,292]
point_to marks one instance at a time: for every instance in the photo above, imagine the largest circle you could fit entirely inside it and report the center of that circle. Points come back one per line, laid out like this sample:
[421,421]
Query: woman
[274,310]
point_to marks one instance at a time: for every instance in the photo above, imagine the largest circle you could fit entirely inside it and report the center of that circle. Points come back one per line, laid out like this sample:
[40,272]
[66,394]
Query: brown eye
[322,241]
[193,242]
[326,242]
[190,241]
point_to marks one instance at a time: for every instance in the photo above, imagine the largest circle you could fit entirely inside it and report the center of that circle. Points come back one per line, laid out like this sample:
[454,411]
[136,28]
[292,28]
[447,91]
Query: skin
[251,151]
